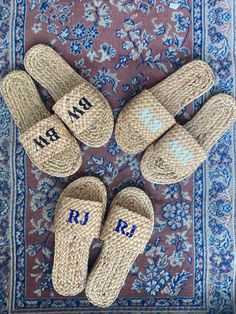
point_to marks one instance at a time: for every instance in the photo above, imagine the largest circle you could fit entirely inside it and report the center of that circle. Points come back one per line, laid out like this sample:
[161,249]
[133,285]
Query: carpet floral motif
[122,47]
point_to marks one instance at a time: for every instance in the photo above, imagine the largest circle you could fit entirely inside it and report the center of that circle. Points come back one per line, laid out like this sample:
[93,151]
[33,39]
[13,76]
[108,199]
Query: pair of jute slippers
[80,112]
[78,217]
[147,122]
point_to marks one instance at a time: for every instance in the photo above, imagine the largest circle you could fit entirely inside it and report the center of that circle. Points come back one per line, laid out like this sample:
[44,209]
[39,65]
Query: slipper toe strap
[80,108]
[148,116]
[127,230]
[45,139]
[180,151]
[74,216]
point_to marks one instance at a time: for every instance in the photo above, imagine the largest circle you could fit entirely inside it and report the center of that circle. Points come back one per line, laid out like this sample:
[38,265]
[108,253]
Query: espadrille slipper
[84,109]
[151,113]
[78,218]
[48,143]
[183,148]
[127,230]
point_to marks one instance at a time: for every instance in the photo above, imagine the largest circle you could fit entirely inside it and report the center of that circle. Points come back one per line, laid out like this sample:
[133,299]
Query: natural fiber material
[150,114]
[127,230]
[46,140]
[182,149]
[86,107]
[78,218]
[54,74]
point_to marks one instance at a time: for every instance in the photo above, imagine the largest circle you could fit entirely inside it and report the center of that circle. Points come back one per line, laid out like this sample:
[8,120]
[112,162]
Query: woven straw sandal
[151,113]
[182,149]
[79,105]
[127,230]
[48,143]
[78,218]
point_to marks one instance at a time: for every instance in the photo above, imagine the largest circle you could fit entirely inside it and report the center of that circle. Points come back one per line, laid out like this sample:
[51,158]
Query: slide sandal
[127,230]
[151,113]
[48,143]
[78,216]
[84,109]
[183,148]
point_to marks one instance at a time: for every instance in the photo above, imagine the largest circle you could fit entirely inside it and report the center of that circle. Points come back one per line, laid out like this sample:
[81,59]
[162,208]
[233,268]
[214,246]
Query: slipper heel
[78,218]
[183,148]
[151,113]
[48,143]
[127,230]
[86,103]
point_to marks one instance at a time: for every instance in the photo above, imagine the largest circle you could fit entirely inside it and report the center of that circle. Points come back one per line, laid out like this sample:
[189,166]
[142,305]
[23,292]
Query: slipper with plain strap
[151,113]
[127,230]
[48,143]
[183,148]
[84,109]
[78,218]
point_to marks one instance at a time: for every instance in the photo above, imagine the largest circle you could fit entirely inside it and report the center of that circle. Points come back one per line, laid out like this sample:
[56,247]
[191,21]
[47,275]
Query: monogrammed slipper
[84,109]
[151,113]
[127,230]
[48,143]
[183,148]
[78,218]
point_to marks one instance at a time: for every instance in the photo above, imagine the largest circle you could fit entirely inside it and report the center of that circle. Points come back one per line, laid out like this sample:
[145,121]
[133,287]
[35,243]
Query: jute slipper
[183,148]
[78,218]
[127,230]
[79,105]
[48,143]
[151,113]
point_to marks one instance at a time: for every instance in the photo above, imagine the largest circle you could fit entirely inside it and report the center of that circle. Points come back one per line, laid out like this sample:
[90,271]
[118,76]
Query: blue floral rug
[122,47]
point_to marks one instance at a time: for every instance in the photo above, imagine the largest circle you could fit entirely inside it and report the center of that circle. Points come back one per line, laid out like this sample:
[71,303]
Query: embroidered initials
[122,226]
[183,155]
[74,215]
[150,120]
[41,142]
[76,113]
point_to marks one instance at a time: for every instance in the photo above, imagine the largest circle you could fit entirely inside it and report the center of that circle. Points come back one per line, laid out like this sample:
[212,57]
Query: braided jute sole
[78,216]
[151,113]
[127,230]
[183,148]
[91,119]
[48,143]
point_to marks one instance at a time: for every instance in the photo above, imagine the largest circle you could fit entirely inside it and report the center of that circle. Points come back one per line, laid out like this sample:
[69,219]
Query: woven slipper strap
[80,108]
[45,139]
[74,216]
[148,116]
[127,230]
[180,150]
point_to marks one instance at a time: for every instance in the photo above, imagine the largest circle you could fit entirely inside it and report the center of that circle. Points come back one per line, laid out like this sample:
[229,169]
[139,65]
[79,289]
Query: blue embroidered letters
[74,215]
[76,113]
[151,120]
[122,226]
[178,149]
